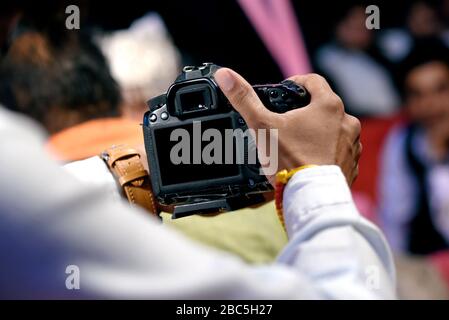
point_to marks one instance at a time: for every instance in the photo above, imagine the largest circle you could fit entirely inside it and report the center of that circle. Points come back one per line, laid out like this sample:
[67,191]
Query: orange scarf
[92,137]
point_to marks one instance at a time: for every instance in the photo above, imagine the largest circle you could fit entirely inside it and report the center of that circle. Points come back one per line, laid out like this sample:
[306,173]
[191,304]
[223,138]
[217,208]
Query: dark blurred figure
[444,11]
[9,16]
[143,60]
[415,166]
[422,20]
[65,84]
[355,67]
[58,85]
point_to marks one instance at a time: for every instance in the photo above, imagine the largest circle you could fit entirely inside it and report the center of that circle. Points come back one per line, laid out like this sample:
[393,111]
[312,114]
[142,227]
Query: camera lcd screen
[172,173]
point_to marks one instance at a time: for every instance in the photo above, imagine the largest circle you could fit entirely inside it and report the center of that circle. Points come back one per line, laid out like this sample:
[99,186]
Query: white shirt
[364,84]
[50,220]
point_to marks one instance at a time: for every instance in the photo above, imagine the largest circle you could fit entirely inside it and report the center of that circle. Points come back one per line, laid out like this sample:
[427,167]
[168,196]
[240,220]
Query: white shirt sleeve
[50,221]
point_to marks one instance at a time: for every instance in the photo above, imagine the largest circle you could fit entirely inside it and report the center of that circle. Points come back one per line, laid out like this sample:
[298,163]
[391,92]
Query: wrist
[312,192]
[281,180]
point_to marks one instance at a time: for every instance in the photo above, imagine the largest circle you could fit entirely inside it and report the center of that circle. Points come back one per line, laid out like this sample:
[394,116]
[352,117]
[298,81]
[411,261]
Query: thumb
[241,96]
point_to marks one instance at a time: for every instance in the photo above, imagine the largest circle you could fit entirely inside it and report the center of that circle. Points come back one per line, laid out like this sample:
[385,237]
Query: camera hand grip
[283,97]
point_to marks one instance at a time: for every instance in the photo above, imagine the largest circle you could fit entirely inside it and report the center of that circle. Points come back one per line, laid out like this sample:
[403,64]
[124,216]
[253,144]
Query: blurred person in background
[422,20]
[65,84]
[444,10]
[354,66]
[143,60]
[415,165]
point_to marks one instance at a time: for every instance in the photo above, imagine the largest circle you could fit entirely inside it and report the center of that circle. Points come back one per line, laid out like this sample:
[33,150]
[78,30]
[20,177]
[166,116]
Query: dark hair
[424,51]
[37,75]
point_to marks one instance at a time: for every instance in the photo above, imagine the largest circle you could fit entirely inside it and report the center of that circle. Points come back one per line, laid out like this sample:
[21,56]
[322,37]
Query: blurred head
[351,31]
[143,60]
[426,83]
[423,20]
[58,85]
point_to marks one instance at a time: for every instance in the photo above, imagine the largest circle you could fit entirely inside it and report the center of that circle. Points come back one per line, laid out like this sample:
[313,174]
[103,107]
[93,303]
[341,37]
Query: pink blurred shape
[277,25]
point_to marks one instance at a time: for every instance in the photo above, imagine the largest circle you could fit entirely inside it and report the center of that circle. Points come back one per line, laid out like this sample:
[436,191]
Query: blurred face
[427,88]
[352,32]
[423,20]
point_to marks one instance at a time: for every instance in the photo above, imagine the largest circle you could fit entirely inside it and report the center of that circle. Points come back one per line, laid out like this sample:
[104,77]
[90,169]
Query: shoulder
[93,171]
[18,126]
[328,54]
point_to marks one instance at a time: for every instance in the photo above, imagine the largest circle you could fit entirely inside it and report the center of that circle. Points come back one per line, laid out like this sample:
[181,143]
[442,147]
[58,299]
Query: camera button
[274,94]
[164,115]
[153,117]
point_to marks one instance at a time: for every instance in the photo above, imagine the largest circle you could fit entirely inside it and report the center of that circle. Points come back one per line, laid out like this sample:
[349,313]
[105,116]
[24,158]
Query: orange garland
[282,177]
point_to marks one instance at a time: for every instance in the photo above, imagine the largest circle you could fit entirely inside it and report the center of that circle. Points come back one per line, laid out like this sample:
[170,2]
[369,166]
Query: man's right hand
[320,133]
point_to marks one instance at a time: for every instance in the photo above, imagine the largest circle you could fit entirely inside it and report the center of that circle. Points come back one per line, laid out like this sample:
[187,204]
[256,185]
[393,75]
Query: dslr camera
[178,131]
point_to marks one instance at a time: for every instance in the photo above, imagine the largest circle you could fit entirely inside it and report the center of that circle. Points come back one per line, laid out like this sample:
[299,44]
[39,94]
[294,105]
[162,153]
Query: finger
[355,170]
[355,174]
[317,86]
[355,126]
[242,97]
[322,95]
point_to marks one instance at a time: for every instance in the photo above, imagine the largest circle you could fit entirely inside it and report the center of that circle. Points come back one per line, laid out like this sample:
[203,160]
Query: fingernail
[225,80]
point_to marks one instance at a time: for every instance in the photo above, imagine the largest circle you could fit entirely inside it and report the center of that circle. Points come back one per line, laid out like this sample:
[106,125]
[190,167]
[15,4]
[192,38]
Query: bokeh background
[395,79]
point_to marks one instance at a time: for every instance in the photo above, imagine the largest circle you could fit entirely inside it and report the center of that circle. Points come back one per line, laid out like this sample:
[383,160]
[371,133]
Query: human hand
[320,133]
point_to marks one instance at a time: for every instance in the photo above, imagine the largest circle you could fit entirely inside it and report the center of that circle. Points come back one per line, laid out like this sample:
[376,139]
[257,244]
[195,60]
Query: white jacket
[58,234]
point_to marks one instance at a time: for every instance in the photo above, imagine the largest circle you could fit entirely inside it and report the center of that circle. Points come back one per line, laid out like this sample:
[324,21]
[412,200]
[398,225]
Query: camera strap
[126,166]
[124,163]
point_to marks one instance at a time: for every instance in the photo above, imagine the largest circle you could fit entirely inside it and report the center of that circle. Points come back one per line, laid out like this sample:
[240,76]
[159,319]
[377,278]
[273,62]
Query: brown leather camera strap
[125,164]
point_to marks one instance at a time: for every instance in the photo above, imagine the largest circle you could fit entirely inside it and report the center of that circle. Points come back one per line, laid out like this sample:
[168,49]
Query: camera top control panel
[195,93]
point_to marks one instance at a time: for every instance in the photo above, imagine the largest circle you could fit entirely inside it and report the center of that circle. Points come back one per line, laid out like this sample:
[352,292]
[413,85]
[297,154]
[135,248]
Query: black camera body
[192,107]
